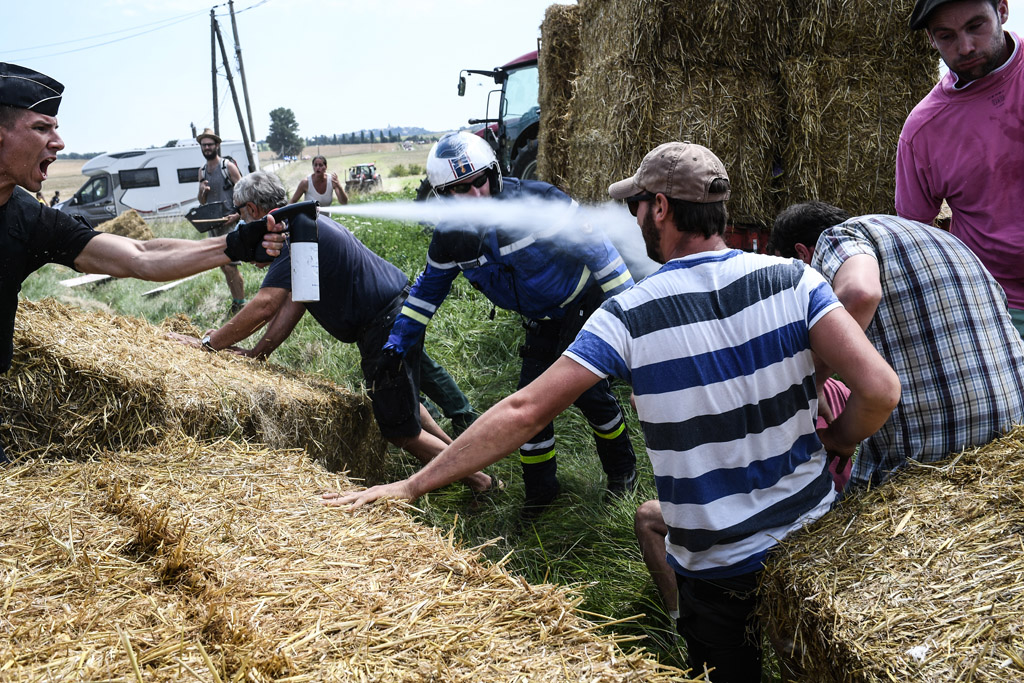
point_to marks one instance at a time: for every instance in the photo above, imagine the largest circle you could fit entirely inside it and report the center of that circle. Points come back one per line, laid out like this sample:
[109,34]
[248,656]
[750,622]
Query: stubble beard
[650,235]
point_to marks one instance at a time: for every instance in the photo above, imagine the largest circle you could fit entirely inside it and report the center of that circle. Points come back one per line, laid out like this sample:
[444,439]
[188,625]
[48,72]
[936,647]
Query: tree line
[285,141]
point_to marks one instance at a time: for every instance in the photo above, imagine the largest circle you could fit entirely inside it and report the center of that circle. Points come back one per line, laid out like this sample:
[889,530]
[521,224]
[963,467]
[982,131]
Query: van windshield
[96,189]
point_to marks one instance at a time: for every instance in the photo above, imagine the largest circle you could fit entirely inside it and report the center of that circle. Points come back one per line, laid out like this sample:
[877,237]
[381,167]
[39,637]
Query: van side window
[96,189]
[138,177]
[188,175]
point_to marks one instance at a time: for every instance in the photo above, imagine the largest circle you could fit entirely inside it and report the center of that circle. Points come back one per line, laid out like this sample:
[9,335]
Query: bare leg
[426,445]
[431,427]
[650,529]
[235,284]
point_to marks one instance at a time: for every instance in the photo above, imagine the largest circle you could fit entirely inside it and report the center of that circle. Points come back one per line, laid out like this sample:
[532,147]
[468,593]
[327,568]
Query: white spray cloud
[524,215]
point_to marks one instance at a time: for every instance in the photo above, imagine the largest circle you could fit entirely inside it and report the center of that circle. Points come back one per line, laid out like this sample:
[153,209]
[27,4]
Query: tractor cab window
[96,189]
[521,91]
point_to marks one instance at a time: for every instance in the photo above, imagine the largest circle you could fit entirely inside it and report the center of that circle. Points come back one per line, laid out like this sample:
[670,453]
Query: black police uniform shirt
[31,235]
[356,284]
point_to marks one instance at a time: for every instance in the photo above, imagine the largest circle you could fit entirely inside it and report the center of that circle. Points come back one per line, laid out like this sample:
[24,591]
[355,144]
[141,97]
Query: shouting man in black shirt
[32,235]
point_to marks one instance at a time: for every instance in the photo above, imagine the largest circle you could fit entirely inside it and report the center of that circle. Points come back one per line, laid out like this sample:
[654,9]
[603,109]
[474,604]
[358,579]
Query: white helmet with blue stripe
[459,156]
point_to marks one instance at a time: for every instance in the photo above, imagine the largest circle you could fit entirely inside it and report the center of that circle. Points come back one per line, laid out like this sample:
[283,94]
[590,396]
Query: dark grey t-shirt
[355,284]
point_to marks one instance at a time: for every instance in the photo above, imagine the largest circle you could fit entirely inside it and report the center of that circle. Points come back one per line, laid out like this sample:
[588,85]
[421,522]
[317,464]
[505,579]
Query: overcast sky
[137,72]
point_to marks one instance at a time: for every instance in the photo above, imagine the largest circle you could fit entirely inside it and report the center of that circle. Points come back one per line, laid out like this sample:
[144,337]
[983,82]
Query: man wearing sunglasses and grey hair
[552,277]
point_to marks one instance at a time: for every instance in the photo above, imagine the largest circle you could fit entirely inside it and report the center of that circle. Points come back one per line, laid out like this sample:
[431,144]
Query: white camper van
[160,181]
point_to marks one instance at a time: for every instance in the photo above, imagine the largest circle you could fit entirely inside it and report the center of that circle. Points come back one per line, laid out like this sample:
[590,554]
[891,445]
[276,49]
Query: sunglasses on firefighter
[633,203]
[463,188]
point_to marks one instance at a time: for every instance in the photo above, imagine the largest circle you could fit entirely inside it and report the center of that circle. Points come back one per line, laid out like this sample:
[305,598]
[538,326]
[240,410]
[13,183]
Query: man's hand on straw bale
[398,489]
[184,339]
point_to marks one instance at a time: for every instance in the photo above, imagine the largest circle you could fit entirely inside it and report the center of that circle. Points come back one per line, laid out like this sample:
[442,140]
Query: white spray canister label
[305,256]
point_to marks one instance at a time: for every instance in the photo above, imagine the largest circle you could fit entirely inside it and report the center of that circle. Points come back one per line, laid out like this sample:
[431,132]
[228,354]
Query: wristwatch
[208,345]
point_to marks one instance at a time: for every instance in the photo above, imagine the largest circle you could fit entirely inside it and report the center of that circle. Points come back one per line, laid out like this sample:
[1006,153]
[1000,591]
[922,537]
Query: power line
[157,25]
[109,33]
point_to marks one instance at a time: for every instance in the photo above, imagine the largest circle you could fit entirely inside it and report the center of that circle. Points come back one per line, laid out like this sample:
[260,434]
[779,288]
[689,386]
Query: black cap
[922,8]
[28,89]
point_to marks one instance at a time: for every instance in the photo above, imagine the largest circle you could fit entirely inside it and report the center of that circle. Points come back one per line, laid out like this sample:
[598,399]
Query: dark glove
[390,365]
[246,242]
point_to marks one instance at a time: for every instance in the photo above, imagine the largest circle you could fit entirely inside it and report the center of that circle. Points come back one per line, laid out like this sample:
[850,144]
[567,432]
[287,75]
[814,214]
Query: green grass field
[341,157]
[583,541]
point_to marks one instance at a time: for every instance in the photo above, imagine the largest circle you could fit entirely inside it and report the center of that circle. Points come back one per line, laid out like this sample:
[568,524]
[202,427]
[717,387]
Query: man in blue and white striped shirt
[717,345]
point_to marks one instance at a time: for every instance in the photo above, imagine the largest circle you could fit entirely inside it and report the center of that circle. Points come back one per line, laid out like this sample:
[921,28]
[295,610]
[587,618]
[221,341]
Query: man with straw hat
[216,178]
[963,142]
[32,235]
[719,346]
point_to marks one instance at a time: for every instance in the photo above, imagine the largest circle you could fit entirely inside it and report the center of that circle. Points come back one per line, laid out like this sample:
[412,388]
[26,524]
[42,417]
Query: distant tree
[362,136]
[78,155]
[371,137]
[284,133]
[334,139]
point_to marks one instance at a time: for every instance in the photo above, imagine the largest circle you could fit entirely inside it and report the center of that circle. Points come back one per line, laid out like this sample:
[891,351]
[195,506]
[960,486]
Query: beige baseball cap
[679,170]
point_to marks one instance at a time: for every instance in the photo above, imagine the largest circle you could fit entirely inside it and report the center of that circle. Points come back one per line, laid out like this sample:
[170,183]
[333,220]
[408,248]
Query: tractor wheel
[524,166]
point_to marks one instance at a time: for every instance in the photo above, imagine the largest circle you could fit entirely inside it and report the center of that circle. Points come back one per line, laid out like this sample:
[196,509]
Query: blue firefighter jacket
[538,273]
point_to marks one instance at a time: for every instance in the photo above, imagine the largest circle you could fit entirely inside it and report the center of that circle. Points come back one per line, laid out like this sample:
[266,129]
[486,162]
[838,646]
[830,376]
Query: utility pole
[234,97]
[213,69]
[241,70]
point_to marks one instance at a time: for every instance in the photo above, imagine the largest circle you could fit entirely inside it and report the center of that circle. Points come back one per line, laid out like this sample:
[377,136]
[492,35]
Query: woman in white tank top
[320,179]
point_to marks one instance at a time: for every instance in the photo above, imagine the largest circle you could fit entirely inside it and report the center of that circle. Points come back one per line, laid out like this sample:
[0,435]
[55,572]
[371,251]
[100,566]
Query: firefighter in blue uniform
[553,277]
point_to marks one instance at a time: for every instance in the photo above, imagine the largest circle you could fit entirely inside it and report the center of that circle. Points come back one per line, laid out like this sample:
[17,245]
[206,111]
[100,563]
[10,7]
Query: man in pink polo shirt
[964,142]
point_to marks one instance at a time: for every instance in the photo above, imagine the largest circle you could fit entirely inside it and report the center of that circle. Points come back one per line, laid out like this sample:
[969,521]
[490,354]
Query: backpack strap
[224,171]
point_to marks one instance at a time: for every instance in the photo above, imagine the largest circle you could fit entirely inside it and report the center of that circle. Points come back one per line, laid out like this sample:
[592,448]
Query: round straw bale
[128,224]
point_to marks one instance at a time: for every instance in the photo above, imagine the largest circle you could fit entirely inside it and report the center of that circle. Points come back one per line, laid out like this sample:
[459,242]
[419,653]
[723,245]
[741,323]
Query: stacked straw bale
[658,70]
[921,579]
[128,224]
[216,562]
[559,60]
[853,74]
[84,381]
[799,98]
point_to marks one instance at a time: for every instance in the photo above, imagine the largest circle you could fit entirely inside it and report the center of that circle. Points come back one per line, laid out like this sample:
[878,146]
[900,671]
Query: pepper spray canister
[305,251]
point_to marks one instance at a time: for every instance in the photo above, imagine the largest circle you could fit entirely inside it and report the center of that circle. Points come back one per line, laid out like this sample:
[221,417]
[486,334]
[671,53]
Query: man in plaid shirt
[934,313]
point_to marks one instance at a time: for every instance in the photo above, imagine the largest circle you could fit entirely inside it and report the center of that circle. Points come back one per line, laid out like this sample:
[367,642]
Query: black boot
[537,503]
[620,487]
